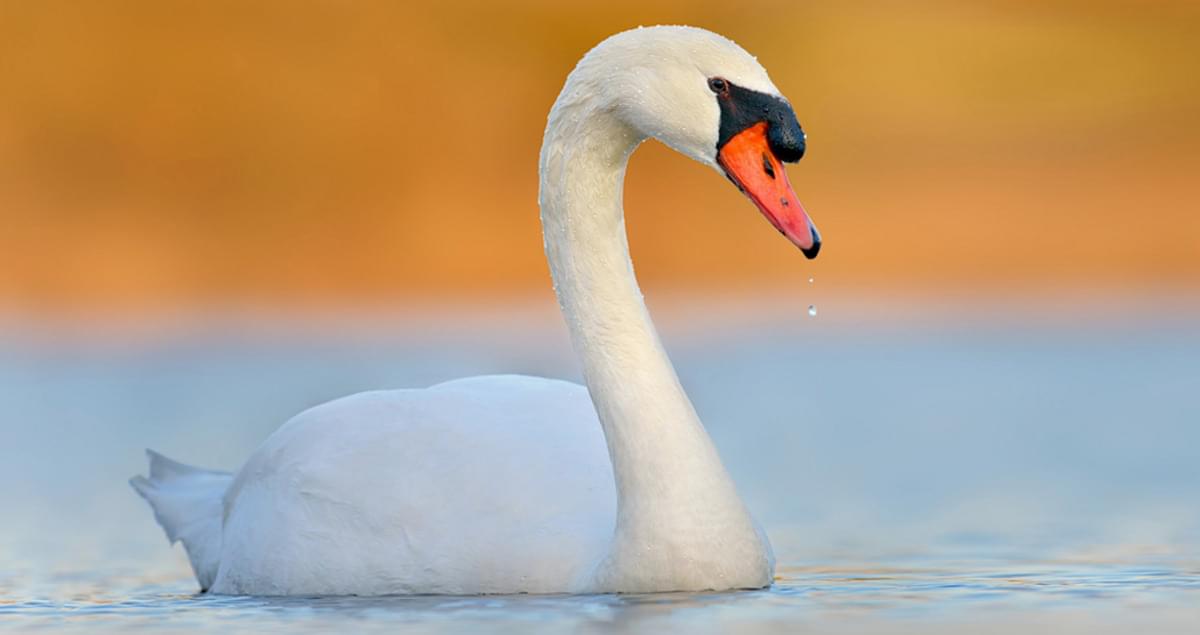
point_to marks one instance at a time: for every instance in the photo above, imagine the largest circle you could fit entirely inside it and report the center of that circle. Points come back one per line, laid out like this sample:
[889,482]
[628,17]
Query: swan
[516,484]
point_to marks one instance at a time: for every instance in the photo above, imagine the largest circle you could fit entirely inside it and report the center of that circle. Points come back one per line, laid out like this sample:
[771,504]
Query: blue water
[1003,471]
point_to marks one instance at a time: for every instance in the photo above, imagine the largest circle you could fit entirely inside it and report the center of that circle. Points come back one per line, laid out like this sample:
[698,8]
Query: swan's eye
[718,85]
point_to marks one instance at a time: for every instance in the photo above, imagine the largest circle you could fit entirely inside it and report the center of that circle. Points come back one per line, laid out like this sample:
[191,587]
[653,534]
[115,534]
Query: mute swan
[513,484]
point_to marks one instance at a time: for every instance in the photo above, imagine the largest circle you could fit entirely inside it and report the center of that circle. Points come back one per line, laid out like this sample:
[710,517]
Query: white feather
[507,484]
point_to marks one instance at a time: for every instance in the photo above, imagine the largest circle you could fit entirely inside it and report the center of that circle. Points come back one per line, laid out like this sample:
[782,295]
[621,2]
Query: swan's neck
[680,523]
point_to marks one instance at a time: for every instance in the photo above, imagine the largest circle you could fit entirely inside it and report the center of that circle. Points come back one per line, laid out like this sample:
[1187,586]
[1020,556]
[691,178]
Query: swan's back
[496,484]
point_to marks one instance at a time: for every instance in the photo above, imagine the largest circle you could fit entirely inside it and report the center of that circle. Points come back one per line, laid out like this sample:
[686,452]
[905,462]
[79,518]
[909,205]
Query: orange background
[175,154]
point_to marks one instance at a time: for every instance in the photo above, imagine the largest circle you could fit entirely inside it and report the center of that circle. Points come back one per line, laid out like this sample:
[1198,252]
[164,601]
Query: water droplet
[812,310]
[810,279]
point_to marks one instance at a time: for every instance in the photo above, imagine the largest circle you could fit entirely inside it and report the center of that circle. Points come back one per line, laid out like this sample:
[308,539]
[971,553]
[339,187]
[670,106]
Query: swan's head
[707,98]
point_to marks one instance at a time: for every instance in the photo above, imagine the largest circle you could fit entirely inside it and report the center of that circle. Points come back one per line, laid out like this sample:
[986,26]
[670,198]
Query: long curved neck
[680,522]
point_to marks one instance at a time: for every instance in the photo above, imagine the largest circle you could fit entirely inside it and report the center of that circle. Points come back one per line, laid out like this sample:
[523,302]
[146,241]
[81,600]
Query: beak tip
[812,252]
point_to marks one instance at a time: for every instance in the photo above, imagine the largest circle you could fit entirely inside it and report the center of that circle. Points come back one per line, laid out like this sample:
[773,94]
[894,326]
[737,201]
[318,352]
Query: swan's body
[506,484]
[425,491]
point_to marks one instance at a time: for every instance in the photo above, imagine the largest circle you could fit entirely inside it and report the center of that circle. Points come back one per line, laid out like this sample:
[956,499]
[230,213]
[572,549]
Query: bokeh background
[166,155]
[214,215]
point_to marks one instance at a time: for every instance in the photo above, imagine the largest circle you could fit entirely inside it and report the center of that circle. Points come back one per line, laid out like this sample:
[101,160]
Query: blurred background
[216,214]
[174,155]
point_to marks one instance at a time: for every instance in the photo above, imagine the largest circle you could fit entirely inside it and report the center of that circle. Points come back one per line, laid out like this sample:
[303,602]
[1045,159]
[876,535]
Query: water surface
[917,476]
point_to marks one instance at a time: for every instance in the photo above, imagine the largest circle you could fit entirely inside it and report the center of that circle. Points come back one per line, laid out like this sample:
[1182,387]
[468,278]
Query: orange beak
[748,162]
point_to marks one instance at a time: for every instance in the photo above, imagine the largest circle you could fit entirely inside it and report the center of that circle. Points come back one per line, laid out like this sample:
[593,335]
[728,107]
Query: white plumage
[506,484]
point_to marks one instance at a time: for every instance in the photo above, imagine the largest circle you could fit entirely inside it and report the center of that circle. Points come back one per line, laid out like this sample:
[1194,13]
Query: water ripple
[887,599]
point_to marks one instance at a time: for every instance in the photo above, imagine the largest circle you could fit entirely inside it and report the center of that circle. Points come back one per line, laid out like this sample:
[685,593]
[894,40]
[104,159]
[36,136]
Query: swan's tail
[187,503]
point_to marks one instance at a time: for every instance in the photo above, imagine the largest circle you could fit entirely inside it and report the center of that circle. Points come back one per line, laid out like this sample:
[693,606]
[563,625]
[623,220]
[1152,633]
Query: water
[919,474]
[1077,598]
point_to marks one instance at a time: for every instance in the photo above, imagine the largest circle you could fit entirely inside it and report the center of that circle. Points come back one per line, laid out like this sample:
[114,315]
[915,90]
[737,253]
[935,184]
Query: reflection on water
[915,478]
[1078,597]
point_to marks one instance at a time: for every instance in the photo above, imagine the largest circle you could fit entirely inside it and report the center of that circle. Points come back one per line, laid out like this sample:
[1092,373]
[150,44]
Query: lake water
[1006,470]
